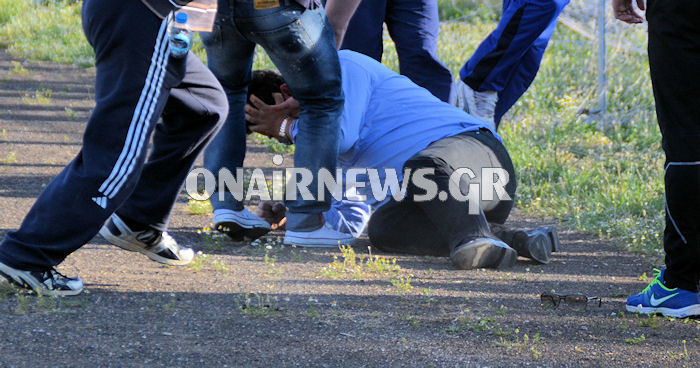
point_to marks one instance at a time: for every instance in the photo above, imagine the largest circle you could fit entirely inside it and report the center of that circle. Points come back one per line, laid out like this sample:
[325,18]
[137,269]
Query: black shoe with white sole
[537,244]
[483,253]
[157,245]
[49,282]
[534,244]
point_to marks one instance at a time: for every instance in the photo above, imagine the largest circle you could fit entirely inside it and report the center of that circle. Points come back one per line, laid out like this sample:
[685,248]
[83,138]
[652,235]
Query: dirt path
[248,305]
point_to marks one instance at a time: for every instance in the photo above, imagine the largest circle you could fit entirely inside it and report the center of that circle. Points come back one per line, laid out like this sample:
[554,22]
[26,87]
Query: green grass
[606,181]
[199,261]
[525,345]
[272,144]
[259,305]
[402,284]
[220,266]
[636,340]
[212,239]
[195,207]
[469,10]
[9,159]
[651,322]
[171,304]
[363,265]
[6,289]
[50,32]
[464,323]
[40,97]
[679,356]
[18,68]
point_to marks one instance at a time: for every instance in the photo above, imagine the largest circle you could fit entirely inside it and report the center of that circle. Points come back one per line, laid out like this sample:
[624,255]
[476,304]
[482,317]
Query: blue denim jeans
[301,44]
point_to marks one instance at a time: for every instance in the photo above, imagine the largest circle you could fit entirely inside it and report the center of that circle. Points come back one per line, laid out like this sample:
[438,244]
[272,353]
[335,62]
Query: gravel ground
[267,305]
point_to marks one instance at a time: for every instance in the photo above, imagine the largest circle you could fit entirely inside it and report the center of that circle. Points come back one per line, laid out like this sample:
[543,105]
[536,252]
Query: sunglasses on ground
[574,301]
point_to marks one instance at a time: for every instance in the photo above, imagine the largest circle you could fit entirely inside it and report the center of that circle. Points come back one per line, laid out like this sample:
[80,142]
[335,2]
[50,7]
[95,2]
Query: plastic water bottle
[180,36]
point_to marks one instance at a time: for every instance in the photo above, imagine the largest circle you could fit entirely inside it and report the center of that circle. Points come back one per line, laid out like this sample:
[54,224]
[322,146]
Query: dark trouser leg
[402,227]
[674,58]
[230,58]
[449,223]
[414,26]
[529,63]
[522,78]
[366,28]
[500,56]
[301,44]
[483,153]
[192,115]
[134,75]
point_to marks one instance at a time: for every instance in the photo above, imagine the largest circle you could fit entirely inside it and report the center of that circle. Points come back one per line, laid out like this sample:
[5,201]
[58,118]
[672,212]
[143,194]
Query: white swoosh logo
[655,302]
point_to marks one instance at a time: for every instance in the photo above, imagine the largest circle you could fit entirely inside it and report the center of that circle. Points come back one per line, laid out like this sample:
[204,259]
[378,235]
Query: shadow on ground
[239,305]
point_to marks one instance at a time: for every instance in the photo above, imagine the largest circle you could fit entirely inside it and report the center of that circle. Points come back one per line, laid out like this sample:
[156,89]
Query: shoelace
[657,275]
[150,237]
[55,273]
[154,237]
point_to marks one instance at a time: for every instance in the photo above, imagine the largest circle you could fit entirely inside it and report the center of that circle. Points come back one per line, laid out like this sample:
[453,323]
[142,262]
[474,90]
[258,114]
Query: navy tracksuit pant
[137,83]
[414,26]
[508,59]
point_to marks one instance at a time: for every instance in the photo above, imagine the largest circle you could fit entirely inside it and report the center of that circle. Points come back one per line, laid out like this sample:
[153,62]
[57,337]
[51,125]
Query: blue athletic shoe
[657,298]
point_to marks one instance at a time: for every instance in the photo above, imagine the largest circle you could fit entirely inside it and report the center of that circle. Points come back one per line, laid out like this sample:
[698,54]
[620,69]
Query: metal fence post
[602,107]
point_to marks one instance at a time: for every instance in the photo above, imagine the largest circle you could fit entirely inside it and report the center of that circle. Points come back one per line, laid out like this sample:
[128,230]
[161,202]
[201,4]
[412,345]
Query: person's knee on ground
[474,246]
[399,227]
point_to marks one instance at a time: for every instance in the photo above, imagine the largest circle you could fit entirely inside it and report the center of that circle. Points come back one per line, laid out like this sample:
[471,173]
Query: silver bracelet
[283,132]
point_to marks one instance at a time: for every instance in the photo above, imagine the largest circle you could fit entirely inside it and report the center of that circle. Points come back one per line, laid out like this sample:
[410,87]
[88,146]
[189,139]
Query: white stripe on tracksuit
[142,116]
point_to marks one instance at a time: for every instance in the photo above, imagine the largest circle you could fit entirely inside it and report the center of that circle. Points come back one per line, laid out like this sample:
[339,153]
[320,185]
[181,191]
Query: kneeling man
[391,123]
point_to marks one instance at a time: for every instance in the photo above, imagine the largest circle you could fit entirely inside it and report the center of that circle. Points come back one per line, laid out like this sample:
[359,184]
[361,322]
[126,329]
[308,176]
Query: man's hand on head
[266,119]
[624,11]
[273,213]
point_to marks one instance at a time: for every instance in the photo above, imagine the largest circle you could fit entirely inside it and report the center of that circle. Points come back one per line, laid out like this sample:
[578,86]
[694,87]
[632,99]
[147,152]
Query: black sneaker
[50,282]
[553,236]
[483,253]
[537,244]
[534,244]
[157,245]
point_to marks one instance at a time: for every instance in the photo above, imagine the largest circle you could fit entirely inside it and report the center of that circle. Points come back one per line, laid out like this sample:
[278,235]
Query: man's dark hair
[264,83]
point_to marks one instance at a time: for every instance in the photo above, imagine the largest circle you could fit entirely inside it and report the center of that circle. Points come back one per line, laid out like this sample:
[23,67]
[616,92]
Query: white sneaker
[48,282]
[481,105]
[240,225]
[325,237]
[157,245]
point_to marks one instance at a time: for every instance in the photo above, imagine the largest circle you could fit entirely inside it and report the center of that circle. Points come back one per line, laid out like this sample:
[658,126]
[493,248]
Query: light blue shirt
[387,119]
